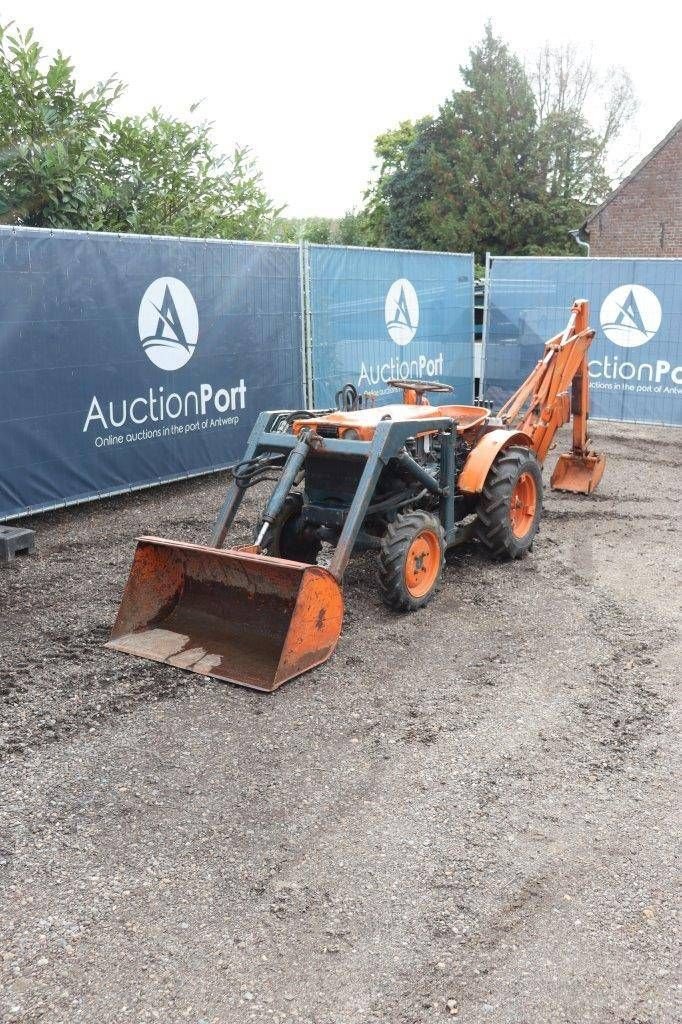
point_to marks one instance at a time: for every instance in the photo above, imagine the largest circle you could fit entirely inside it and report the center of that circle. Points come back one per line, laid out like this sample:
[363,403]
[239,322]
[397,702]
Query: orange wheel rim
[524,501]
[422,564]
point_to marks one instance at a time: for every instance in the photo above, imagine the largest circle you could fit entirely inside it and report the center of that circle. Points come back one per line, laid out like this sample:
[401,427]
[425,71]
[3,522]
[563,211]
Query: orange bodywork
[363,422]
[556,390]
[477,466]
[524,502]
[471,420]
[422,563]
[234,615]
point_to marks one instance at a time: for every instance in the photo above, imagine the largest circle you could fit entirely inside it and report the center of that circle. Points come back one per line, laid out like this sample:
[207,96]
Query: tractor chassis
[343,526]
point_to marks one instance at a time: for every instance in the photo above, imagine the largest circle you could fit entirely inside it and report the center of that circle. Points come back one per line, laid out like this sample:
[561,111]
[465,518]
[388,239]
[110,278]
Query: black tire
[394,568]
[285,538]
[507,530]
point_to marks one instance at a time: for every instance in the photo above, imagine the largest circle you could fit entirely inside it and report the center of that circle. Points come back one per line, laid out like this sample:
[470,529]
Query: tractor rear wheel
[511,504]
[287,539]
[411,560]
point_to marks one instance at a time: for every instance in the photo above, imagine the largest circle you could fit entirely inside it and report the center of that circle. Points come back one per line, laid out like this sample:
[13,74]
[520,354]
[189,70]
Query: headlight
[351,434]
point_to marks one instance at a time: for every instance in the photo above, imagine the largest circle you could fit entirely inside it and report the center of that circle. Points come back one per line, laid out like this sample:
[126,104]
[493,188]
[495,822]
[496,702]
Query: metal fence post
[306,326]
[486,312]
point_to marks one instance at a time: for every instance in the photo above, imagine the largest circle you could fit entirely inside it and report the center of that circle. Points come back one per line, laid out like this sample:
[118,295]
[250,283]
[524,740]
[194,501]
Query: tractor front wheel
[411,560]
[511,504]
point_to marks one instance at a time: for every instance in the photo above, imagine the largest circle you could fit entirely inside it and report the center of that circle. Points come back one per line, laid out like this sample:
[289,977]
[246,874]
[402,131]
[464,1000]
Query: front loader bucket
[579,474]
[234,615]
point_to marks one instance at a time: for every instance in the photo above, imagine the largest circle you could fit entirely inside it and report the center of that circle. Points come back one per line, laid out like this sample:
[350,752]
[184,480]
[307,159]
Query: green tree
[509,165]
[67,161]
[391,149]
[352,229]
[348,230]
[470,180]
[160,175]
[49,131]
[318,230]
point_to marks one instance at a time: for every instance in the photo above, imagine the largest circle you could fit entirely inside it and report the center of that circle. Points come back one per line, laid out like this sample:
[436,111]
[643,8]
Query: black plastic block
[14,540]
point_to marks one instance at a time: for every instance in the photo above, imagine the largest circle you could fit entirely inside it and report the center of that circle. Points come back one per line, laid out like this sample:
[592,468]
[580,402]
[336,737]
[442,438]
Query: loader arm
[556,389]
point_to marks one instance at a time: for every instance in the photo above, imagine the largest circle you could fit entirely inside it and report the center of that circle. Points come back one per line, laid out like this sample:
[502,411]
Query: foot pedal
[15,540]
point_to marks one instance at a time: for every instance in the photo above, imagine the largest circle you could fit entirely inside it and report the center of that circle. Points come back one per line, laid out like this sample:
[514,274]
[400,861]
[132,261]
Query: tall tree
[391,149]
[566,84]
[470,177]
[509,165]
[566,80]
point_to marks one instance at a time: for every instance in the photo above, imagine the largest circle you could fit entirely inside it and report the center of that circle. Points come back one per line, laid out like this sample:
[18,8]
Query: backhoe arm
[543,403]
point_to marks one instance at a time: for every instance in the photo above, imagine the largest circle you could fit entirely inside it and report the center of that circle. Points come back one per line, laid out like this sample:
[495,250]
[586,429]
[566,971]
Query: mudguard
[477,466]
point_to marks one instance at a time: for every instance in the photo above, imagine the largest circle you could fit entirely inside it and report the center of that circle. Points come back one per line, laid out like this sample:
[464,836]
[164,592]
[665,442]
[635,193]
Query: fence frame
[103,494]
[306,336]
[370,249]
[490,259]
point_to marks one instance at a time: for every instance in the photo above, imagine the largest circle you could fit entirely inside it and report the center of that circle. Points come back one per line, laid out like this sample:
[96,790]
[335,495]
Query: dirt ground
[469,813]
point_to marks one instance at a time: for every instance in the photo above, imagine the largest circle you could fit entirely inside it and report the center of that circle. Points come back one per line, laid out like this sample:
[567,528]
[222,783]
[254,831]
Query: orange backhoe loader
[407,480]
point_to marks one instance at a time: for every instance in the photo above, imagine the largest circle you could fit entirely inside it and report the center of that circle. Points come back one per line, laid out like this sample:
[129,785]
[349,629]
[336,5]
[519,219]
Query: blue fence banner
[129,360]
[635,360]
[377,314]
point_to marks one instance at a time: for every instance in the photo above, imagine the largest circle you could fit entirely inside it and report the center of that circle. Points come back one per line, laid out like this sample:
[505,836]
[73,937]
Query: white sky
[309,85]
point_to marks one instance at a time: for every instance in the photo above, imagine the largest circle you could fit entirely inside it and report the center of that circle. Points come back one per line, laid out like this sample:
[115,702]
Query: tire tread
[397,539]
[494,525]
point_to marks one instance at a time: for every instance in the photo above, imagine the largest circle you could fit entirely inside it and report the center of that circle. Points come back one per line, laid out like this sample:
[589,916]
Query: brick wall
[645,216]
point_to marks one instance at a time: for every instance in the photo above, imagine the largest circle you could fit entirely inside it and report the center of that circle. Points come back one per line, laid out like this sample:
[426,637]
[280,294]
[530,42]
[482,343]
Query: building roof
[633,174]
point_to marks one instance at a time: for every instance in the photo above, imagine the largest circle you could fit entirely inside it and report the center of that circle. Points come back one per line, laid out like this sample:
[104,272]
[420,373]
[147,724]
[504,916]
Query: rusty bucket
[238,616]
[578,474]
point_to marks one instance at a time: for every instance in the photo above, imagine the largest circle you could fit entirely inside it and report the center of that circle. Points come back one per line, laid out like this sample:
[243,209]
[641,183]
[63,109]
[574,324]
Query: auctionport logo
[168,323]
[630,315]
[401,311]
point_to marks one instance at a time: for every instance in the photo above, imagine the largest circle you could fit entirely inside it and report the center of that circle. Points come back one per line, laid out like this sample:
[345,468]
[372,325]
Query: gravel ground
[469,813]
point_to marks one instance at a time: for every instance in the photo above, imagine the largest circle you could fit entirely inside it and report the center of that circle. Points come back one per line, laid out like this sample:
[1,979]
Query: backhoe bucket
[234,615]
[579,474]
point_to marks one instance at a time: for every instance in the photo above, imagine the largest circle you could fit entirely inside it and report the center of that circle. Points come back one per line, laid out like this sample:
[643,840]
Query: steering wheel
[420,386]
